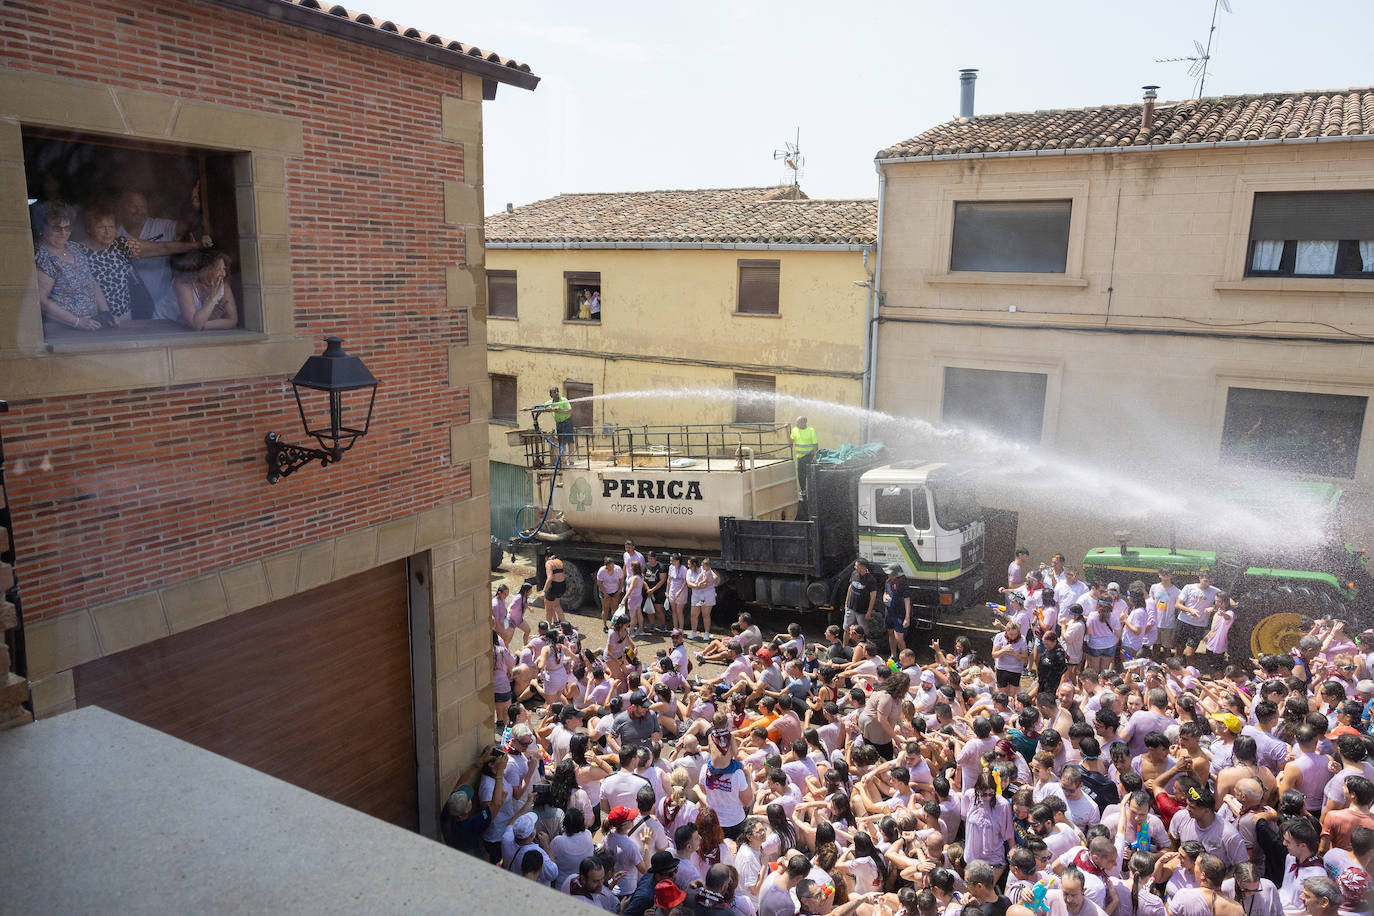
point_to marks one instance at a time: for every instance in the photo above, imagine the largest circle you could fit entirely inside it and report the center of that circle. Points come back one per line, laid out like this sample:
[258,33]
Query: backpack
[1269,841]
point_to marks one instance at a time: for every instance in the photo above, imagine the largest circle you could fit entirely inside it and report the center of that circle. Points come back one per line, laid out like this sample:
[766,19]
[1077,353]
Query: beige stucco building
[701,294]
[1174,297]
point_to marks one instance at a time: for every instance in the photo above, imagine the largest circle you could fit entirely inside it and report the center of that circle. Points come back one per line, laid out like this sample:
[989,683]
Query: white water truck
[731,493]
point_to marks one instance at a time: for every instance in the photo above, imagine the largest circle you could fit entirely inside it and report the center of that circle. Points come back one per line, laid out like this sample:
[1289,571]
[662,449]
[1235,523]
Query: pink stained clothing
[1216,637]
[986,829]
[1316,774]
[634,592]
[1192,901]
[1055,898]
[1147,902]
[499,612]
[501,664]
[610,580]
[515,611]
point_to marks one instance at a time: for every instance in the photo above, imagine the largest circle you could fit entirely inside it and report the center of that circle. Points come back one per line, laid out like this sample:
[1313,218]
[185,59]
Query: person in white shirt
[1164,597]
[1195,612]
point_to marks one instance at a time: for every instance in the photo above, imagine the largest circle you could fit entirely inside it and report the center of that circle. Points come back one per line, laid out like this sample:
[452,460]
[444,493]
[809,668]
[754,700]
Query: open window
[1312,234]
[1293,431]
[97,286]
[582,295]
[754,398]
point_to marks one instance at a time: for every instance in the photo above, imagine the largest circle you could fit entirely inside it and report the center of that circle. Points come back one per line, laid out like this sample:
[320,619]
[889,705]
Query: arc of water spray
[1052,476]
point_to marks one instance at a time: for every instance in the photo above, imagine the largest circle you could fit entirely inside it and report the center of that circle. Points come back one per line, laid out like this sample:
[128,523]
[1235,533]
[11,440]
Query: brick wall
[120,492]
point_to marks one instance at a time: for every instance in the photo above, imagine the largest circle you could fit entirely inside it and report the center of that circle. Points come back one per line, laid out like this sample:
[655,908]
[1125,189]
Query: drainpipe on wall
[874,301]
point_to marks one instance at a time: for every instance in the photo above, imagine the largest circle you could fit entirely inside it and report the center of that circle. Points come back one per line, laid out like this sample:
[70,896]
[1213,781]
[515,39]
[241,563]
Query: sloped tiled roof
[326,17]
[1230,118]
[716,216]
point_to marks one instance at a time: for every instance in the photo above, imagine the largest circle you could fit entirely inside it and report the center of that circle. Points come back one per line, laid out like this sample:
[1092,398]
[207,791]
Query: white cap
[1113,587]
[524,824]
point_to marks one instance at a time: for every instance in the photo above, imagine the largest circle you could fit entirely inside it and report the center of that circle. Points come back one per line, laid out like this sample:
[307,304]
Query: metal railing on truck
[703,446]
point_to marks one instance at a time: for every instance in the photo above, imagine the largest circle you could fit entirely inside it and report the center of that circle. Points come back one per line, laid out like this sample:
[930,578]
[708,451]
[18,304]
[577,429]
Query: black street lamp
[337,421]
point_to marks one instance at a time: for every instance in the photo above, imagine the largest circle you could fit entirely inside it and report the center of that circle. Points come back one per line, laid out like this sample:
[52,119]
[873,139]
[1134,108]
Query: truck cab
[923,517]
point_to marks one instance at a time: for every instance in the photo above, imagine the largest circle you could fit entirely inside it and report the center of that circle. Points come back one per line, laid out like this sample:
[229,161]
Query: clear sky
[638,96]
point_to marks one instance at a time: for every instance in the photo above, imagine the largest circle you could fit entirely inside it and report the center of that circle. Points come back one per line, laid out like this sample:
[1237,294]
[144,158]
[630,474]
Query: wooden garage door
[314,689]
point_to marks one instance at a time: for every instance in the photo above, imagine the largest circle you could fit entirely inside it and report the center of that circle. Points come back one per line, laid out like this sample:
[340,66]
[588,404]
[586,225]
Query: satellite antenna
[792,158]
[1199,62]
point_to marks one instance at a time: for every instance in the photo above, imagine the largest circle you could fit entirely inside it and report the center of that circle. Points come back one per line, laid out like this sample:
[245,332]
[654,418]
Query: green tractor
[1277,597]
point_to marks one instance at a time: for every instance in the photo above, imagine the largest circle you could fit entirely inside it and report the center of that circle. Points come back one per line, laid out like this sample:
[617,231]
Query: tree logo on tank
[580,495]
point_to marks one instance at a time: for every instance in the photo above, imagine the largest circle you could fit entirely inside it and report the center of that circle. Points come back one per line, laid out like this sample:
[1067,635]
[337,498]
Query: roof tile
[426,37]
[713,216]
[1232,118]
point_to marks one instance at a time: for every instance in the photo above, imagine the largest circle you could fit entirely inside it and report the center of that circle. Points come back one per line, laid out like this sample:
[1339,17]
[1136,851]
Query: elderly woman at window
[111,258]
[67,289]
[199,298]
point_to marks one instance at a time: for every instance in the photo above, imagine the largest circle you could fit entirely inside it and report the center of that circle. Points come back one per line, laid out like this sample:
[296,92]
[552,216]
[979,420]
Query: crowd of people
[1109,757]
[126,266]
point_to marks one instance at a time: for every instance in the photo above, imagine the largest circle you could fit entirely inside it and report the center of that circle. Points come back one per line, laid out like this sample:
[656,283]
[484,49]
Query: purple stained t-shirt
[986,828]
[1140,724]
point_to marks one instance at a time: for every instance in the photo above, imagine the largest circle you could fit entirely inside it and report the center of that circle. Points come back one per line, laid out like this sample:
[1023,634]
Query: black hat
[663,861]
[638,698]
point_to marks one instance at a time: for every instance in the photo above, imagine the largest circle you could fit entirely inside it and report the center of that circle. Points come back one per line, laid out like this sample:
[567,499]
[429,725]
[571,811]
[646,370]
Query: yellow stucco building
[699,295]
[1173,297]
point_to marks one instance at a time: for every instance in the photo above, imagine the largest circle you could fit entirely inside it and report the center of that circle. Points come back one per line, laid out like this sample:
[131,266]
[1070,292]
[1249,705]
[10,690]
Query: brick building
[337,159]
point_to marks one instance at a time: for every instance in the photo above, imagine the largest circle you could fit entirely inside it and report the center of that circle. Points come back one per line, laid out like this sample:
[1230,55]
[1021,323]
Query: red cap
[668,895]
[620,815]
[1341,730]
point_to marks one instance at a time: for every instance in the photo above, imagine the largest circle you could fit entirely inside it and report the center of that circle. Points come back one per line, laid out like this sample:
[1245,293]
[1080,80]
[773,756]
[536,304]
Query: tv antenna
[792,158]
[1199,62]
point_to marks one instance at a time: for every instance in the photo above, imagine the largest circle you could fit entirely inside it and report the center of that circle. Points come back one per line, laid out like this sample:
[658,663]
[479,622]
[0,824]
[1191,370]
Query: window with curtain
[1312,234]
[1293,431]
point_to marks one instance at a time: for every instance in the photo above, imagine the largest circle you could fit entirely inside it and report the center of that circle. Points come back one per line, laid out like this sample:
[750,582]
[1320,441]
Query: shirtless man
[555,584]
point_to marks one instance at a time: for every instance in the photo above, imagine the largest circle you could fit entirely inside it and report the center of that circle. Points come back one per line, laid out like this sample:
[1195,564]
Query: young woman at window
[199,298]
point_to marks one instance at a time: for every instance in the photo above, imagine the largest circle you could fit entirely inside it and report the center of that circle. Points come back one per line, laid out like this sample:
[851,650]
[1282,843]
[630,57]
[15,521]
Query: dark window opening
[582,295]
[754,398]
[1312,234]
[504,406]
[501,298]
[119,237]
[1010,404]
[1293,431]
[759,282]
[1017,236]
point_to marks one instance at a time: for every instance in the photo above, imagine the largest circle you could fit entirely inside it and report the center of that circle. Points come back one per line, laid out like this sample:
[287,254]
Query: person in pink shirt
[1224,616]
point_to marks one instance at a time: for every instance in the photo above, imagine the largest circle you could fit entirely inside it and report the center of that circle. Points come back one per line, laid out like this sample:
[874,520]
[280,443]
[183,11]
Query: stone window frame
[1308,383]
[31,367]
[938,272]
[1006,360]
[1233,276]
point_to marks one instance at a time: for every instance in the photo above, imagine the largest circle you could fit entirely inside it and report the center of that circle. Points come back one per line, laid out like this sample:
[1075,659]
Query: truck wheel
[1269,620]
[579,590]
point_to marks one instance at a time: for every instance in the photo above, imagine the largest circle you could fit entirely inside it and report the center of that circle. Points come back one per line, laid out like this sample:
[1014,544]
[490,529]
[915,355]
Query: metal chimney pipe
[966,80]
[1147,114]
